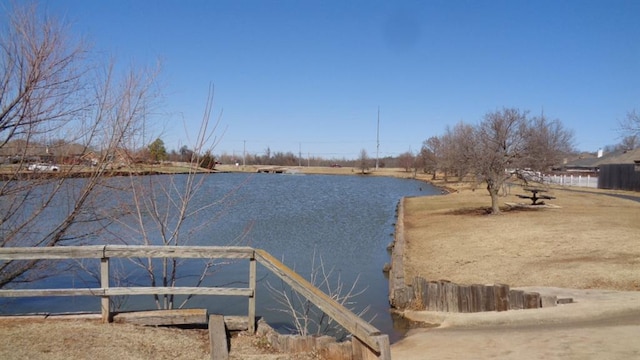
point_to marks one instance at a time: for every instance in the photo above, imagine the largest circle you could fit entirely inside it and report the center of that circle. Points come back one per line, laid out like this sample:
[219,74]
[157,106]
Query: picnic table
[536,194]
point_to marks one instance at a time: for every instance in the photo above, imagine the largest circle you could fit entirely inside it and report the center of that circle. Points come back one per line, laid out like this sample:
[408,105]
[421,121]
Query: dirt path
[600,324]
[593,341]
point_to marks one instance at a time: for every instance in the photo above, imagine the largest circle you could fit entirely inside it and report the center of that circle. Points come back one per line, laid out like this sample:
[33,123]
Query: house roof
[616,157]
[590,162]
[621,157]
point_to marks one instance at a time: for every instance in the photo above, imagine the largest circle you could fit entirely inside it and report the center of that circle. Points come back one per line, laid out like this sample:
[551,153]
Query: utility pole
[378,138]
[300,154]
[244,153]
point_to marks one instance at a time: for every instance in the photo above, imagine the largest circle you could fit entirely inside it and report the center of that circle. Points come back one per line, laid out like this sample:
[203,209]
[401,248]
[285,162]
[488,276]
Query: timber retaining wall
[443,295]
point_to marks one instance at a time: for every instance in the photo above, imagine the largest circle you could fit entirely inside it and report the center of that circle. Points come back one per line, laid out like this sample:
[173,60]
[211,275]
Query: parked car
[42,167]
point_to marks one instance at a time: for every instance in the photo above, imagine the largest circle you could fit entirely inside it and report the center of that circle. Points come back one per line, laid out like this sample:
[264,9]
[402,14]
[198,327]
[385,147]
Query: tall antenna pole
[378,138]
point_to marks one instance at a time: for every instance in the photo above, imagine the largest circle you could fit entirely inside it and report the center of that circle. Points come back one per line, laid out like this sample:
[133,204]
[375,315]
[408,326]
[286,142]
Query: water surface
[344,221]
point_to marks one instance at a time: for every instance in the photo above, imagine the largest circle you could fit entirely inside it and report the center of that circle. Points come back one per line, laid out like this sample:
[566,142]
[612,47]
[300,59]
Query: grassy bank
[591,241]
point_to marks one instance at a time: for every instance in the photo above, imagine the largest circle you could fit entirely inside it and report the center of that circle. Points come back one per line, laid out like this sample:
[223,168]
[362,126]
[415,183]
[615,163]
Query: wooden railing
[363,332]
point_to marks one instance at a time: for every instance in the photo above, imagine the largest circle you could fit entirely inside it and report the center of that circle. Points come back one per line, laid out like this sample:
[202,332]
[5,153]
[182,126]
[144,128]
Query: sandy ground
[587,250]
[600,324]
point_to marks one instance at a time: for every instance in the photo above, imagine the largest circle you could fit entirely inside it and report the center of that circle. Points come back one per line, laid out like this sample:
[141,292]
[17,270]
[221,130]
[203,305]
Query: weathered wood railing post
[369,342]
[104,284]
[252,297]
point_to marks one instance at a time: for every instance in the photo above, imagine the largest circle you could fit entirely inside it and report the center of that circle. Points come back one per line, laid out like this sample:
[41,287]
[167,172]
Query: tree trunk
[495,204]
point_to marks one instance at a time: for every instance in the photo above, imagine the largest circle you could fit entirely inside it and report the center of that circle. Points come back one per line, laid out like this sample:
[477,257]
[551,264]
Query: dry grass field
[591,241]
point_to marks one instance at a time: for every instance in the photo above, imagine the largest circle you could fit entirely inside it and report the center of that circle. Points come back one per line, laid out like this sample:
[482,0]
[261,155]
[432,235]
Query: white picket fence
[573,180]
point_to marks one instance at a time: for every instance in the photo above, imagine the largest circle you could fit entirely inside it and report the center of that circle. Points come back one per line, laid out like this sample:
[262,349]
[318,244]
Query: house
[23,151]
[116,159]
[620,172]
[591,164]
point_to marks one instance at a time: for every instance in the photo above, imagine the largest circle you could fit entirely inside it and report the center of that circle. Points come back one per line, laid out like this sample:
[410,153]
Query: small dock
[273,170]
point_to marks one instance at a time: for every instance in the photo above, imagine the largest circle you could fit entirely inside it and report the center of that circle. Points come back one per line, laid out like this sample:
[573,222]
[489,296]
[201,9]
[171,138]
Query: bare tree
[406,161]
[457,149]
[500,144]
[631,124]
[171,210]
[41,76]
[307,319]
[547,143]
[630,142]
[431,155]
[506,141]
[363,161]
[49,93]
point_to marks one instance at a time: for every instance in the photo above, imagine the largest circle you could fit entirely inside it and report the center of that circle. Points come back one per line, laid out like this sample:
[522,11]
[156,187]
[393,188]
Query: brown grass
[591,241]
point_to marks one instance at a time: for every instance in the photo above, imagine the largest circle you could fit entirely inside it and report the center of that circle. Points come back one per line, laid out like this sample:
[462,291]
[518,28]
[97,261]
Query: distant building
[592,164]
[620,171]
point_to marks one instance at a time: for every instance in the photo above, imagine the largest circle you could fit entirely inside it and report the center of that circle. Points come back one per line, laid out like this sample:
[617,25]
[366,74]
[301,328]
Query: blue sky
[309,76]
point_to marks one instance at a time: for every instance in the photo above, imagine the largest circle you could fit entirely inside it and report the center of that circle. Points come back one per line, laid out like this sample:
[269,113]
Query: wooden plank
[477,298]
[531,300]
[55,252]
[163,317]
[337,351]
[516,300]
[208,252]
[385,345]
[501,292]
[442,304]
[295,344]
[159,290]
[489,298]
[51,292]
[362,351]
[451,297]
[105,306]
[352,323]
[252,297]
[433,296]
[117,291]
[236,323]
[424,293]
[125,251]
[218,338]
[420,291]
[464,298]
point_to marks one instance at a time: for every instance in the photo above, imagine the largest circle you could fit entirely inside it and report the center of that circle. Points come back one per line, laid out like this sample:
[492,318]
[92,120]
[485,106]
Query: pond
[343,222]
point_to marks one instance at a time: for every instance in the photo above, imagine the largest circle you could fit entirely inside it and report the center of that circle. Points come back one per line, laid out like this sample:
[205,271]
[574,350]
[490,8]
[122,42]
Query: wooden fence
[620,176]
[368,340]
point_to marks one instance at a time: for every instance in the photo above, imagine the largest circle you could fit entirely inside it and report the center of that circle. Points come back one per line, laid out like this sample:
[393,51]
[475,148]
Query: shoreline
[599,323]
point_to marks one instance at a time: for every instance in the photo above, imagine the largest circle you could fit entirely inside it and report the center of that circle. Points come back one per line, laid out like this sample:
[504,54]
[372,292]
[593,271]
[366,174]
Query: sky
[308,77]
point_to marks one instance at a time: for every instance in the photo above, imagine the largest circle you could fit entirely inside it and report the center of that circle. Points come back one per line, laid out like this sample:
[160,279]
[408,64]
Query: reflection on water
[348,221]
